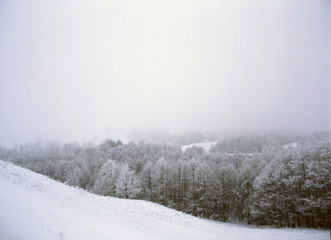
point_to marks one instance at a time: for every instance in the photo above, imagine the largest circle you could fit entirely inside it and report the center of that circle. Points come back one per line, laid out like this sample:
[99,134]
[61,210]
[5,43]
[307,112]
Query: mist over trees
[281,180]
[162,136]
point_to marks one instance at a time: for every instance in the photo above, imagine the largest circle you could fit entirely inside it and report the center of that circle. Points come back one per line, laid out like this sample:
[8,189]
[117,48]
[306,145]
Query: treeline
[278,180]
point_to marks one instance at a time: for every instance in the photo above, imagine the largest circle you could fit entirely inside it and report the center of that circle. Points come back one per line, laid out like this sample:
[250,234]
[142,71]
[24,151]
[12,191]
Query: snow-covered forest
[281,180]
[33,207]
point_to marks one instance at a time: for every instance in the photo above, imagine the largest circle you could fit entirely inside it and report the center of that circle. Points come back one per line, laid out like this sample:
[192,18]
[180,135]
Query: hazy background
[86,70]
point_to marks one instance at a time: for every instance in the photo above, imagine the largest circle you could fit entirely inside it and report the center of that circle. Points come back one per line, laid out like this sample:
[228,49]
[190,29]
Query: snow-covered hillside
[205,145]
[291,145]
[33,206]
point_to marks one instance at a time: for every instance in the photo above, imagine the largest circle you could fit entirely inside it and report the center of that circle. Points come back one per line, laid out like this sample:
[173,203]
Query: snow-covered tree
[146,181]
[106,181]
[295,188]
[128,184]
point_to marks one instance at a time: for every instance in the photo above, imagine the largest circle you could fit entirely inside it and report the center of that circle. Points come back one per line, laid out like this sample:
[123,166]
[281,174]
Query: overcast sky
[84,70]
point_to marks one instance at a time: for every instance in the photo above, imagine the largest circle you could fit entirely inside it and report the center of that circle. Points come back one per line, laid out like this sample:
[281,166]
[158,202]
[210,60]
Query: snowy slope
[291,145]
[205,145]
[33,206]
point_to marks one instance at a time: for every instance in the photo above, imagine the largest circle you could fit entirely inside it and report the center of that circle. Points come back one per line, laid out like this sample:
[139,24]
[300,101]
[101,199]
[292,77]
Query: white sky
[78,70]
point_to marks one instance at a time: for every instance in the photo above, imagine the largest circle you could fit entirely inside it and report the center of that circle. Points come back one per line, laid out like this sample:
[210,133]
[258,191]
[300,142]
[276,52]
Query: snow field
[205,145]
[33,206]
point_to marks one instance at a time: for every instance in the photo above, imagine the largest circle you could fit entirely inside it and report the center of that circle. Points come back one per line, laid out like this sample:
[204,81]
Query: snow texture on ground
[33,206]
